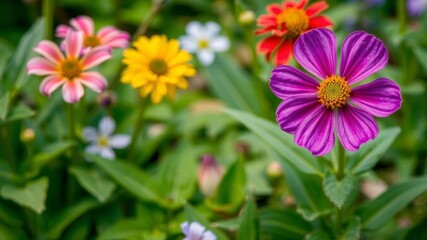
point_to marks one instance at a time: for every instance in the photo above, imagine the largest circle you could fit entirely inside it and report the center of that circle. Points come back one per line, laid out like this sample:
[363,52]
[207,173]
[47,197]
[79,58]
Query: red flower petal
[274,9]
[284,53]
[316,8]
[302,4]
[267,45]
[319,21]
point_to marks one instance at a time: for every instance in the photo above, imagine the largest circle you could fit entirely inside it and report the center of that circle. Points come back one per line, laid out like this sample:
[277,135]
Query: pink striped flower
[107,36]
[69,71]
[315,108]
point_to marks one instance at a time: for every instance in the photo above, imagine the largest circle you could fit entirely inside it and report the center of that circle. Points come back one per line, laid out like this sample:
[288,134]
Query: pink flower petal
[95,56]
[73,44]
[315,50]
[72,91]
[316,132]
[287,81]
[111,37]
[50,84]
[49,50]
[380,98]
[94,81]
[61,31]
[84,24]
[292,112]
[362,55]
[355,127]
[41,66]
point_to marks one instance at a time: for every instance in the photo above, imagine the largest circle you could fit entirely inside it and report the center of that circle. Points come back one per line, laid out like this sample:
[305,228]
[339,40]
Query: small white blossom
[102,142]
[195,231]
[204,41]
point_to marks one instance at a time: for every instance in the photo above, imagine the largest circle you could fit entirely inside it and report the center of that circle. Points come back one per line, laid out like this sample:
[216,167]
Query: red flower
[285,23]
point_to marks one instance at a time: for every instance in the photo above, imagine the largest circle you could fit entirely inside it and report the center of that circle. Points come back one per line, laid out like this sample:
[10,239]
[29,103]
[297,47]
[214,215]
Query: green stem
[402,15]
[340,175]
[137,129]
[142,28]
[47,11]
[72,131]
[8,147]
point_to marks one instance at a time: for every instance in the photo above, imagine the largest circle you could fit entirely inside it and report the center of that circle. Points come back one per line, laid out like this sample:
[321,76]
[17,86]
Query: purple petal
[315,50]
[292,112]
[94,149]
[90,134]
[107,153]
[196,230]
[316,132]
[287,81]
[362,55]
[119,141]
[380,98]
[208,235]
[355,127]
[107,126]
[185,227]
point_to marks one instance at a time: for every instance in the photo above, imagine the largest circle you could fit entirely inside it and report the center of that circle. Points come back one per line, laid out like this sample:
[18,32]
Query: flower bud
[274,170]
[27,135]
[107,99]
[246,17]
[210,174]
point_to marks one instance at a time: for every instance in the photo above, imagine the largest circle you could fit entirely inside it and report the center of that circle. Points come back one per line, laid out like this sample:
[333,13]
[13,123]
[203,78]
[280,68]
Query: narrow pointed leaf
[249,225]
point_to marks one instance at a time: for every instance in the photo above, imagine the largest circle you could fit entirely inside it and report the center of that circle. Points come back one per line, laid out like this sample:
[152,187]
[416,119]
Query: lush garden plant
[191,119]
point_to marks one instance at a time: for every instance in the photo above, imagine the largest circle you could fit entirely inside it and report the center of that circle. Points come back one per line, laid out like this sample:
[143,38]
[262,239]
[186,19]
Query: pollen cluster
[70,69]
[333,92]
[296,21]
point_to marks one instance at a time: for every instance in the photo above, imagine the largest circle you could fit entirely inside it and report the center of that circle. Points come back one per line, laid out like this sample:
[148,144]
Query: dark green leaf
[249,226]
[61,221]
[370,153]
[18,113]
[337,190]
[281,142]
[4,106]
[352,230]
[377,212]
[282,224]
[32,195]
[11,233]
[94,182]
[129,229]
[132,179]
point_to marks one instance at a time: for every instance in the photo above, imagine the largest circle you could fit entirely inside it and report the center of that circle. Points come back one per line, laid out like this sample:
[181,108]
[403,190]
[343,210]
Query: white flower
[195,231]
[103,142]
[204,41]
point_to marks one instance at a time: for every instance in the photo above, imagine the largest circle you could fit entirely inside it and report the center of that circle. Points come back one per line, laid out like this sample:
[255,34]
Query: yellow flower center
[70,69]
[91,41]
[203,44]
[103,141]
[158,66]
[295,19]
[333,92]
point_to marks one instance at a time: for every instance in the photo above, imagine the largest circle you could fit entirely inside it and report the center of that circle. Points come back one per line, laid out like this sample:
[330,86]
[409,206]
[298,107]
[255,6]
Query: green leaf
[60,222]
[6,232]
[49,153]
[421,55]
[94,182]
[370,153]
[282,224]
[4,106]
[133,179]
[178,173]
[192,215]
[249,226]
[18,113]
[352,230]
[231,84]
[281,142]
[16,71]
[377,212]
[32,195]
[129,229]
[307,190]
[338,190]
[234,182]
[317,235]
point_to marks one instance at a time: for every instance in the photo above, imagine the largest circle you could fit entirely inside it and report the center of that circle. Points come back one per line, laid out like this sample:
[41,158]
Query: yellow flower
[157,66]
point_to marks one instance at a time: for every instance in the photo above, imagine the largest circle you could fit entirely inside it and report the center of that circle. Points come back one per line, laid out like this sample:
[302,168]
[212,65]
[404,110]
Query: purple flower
[416,7]
[195,231]
[313,109]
